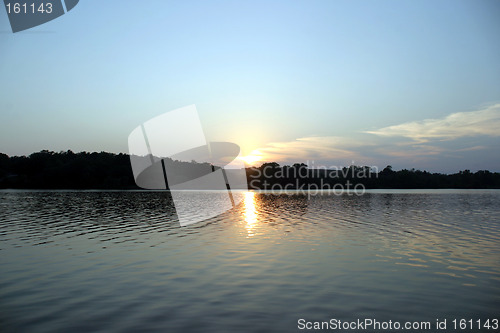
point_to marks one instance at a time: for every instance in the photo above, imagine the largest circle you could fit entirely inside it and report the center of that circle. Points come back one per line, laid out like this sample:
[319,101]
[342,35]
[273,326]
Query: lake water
[119,261]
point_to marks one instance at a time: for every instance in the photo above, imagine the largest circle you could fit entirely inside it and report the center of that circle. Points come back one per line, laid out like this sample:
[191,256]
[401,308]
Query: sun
[250,159]
[253,157]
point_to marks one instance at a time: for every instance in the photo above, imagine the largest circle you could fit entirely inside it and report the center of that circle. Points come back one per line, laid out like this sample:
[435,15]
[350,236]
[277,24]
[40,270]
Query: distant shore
[108,171]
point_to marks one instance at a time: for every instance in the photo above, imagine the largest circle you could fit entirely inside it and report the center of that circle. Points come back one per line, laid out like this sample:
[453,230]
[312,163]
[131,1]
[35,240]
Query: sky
[412,84]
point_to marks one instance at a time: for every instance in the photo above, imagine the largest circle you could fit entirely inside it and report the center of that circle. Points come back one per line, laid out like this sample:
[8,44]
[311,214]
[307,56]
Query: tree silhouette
[84,170]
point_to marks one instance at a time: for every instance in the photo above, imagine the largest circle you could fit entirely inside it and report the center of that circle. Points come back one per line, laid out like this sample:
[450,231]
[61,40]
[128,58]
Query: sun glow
[253,157]
[250,159]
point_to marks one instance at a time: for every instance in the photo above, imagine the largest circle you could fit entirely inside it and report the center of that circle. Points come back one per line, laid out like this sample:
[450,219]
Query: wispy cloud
[411,151]
[434,144]
[475,148]
[314,148]
[453,126]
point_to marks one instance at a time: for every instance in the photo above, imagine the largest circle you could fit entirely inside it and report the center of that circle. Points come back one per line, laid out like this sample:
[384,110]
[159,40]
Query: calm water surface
[118,261]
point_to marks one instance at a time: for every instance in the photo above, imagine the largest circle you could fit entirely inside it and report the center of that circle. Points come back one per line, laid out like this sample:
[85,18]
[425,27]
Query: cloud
[453,126]
[434,144]
[314,148]
[411,151]
[475,148]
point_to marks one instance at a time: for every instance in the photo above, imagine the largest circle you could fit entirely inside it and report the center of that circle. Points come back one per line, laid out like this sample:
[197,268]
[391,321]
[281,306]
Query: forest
[103,170]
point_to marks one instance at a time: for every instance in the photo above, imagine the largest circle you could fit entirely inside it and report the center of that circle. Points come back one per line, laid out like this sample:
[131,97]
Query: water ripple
[119,261]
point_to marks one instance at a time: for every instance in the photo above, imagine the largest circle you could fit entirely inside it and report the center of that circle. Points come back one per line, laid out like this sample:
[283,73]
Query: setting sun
[254,156]
[250,159]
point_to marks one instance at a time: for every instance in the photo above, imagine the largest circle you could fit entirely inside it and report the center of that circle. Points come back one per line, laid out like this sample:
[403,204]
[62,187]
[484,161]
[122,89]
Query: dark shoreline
[46,170]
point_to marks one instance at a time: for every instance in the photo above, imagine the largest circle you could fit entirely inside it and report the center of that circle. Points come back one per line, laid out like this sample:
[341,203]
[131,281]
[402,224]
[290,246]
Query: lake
[118,261]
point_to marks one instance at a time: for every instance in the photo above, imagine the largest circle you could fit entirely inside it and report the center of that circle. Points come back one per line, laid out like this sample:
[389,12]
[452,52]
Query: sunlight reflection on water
[250,213]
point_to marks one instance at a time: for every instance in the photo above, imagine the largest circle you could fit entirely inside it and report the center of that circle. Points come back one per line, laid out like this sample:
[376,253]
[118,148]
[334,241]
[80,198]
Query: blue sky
[406,83]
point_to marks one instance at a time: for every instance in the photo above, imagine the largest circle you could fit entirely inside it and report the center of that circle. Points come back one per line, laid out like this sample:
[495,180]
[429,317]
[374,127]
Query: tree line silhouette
[84,170]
